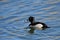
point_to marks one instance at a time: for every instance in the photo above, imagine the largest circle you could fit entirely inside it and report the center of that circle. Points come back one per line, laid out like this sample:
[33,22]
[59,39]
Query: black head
[31,19]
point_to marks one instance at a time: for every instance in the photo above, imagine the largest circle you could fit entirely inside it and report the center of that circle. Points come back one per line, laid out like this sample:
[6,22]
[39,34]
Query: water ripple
[13,13]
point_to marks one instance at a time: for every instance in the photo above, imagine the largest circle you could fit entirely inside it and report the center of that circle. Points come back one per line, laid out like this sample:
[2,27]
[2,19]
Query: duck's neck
[32,22]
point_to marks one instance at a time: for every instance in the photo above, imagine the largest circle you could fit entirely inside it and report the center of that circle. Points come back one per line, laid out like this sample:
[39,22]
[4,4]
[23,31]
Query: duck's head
[31,19]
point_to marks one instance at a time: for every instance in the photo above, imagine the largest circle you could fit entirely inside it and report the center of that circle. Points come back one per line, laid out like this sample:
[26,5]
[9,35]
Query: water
[14,13]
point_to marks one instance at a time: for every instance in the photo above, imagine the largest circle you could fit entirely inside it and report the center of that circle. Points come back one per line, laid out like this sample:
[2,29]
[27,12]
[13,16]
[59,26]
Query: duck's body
[37,25]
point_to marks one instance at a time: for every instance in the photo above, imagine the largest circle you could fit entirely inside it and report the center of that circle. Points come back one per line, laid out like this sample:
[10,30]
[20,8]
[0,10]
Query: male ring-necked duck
[36,25]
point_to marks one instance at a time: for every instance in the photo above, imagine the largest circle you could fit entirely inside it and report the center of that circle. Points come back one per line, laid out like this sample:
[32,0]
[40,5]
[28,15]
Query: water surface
[14,13]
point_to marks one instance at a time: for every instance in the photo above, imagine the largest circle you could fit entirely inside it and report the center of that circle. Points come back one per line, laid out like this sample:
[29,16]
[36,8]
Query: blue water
[14,13]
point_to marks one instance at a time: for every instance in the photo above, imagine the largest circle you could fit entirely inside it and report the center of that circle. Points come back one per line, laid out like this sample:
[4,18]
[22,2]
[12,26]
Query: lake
[14,15]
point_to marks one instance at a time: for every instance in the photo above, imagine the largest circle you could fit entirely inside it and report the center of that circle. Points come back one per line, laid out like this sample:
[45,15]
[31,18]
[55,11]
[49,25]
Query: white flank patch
[38,26]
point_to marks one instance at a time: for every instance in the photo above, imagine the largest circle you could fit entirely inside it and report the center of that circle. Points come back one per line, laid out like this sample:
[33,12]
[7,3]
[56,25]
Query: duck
[36,25]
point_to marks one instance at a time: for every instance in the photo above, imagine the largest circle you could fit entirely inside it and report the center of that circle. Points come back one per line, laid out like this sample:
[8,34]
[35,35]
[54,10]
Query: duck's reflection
[31,31]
